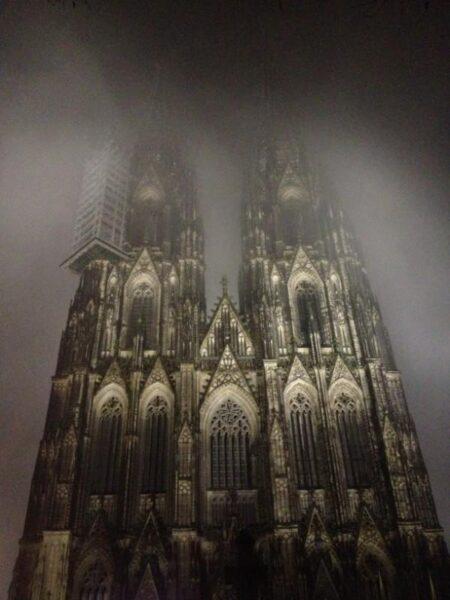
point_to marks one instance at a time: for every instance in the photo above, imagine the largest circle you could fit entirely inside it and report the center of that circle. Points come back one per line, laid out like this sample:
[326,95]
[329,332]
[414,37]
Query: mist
[365,84]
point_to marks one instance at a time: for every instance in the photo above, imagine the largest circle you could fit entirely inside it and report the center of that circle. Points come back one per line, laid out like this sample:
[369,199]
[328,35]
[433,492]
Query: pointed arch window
[95,584]
[107,448]
[352,441]
[308,305]
[303,439]
[230,447]
[155,440]
[141,316]
[290,222]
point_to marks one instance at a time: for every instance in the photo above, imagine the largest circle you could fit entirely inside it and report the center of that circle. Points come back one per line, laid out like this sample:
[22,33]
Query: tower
[266,452]
[344,459]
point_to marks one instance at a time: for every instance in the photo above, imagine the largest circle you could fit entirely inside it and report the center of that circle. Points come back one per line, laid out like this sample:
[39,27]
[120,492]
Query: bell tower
[335,405]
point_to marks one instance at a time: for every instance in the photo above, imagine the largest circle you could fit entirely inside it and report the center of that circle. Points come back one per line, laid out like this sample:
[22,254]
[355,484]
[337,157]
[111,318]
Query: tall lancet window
[352,440]
[155,446]
[107,448]
[303,439]
[141,320]
[290,222]
[309,313]
[95,584]
[230,447]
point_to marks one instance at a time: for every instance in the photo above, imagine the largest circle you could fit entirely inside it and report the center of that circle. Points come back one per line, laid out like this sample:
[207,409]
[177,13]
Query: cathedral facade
[266,452]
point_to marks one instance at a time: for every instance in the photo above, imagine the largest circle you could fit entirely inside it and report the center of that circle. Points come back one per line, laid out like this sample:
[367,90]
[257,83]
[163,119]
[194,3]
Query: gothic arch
[156,407]
[351,431]
[307,280]
[303,417]
[338,311]
[107,430]
[242,408]
[142,292]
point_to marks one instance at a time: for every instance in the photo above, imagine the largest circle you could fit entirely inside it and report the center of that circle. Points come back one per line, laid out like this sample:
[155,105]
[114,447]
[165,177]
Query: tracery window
[107,448]
[303,438]
[230,447]
[141,320]
[352,441]
[290,222]
[308,305]
[95,584]
[155,436]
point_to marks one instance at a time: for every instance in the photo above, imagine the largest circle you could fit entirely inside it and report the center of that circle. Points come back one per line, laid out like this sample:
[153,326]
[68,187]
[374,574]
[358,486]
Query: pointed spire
[224,282]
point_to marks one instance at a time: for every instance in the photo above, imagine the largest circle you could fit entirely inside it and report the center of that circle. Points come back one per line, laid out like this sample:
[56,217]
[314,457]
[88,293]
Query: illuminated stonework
[267,453]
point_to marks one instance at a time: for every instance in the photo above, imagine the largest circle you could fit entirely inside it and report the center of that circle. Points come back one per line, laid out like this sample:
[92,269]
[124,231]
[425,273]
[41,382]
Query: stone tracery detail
[230,447]
[304,442]
[352,441]
[154,443]
[226,438]
[107,448]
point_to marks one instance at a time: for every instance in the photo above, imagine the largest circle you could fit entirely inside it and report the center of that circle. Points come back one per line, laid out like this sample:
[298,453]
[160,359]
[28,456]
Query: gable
[143,270]
[228,372]
[302,265]
[226,328]
[341,371]
[113,375]
[158,374]
[298,371]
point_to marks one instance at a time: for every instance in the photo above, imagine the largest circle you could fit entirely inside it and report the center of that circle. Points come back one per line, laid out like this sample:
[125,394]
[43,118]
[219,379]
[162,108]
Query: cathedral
[263,452]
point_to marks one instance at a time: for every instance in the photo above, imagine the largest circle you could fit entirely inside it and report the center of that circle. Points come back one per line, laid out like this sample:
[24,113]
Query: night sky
[366,84]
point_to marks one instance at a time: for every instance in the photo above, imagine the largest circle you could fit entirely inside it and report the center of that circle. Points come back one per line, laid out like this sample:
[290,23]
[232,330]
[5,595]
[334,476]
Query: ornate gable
[143,266]
[317,537]
[227,325]
[302,263]
[298,371]
[341,371]
[369,534]
[113,375]
[158,375]
[228,371]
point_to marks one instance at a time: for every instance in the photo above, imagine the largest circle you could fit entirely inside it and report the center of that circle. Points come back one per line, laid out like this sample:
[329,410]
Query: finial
[224,282]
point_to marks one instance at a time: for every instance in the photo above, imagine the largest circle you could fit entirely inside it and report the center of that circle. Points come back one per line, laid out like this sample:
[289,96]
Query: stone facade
[267,453]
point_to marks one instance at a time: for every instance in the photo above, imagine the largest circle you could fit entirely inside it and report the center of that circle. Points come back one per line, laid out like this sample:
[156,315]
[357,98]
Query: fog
[364,82]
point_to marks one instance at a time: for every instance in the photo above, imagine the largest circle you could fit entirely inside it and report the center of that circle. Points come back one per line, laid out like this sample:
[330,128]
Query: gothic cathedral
[264,453]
